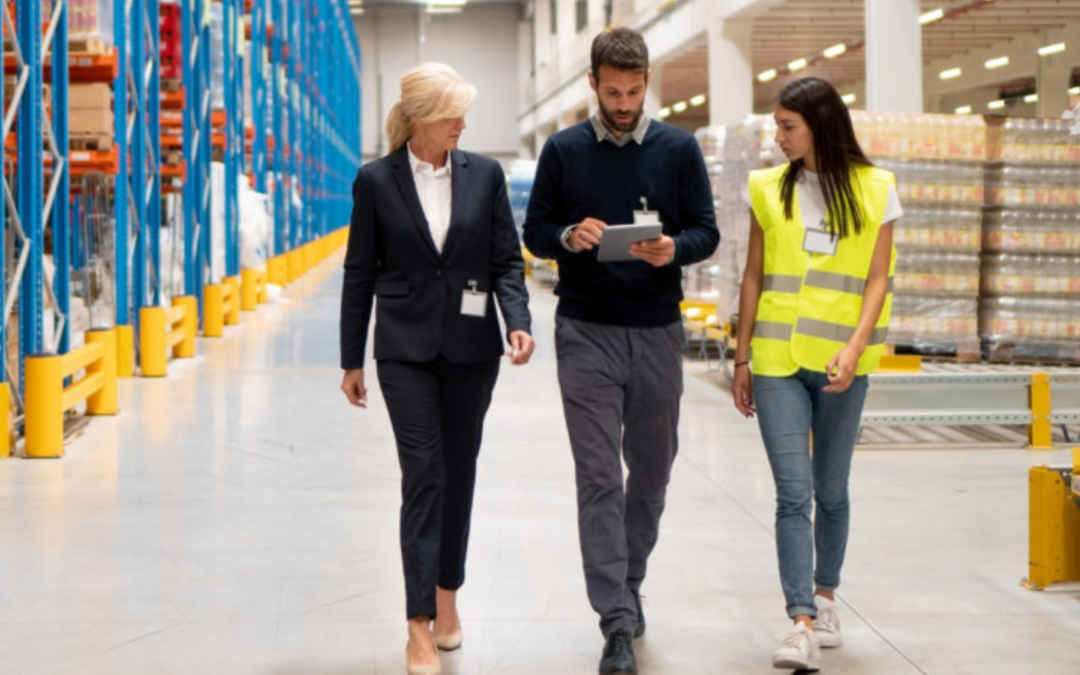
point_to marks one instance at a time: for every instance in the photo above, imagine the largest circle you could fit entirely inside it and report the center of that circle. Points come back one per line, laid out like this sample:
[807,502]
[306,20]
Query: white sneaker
[798,650]
[827,623]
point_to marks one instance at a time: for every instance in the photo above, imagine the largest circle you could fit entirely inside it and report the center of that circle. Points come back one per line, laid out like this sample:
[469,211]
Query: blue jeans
[788,410]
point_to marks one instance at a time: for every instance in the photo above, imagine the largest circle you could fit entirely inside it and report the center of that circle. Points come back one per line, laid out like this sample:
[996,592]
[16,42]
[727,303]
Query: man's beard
[615,125]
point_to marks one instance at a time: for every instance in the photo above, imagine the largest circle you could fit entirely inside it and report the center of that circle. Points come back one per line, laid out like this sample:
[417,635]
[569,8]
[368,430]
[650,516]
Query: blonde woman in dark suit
[433,239]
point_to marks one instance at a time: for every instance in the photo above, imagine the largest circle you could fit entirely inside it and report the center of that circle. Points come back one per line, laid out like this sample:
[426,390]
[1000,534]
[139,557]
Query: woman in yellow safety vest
[814,307]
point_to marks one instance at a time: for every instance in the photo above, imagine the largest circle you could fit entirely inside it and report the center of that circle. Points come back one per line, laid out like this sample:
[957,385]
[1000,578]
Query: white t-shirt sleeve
[893,210]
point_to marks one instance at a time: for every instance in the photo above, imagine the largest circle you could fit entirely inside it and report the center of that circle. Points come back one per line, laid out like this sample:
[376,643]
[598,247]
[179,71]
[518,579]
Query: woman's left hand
[521,347]
[841,369]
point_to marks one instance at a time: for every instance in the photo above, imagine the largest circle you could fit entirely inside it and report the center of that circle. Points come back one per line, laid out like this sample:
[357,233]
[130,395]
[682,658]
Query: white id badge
[821,241]
[646,217]
[473,302]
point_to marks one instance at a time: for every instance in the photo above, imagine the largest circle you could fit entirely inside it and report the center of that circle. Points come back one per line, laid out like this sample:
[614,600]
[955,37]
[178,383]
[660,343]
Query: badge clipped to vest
[473,302]
[820,239]
[645,216]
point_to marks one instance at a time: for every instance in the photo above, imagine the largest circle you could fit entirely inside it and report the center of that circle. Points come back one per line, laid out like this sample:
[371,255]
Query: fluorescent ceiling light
[950,74]
[767,76]
[999,62]
[697,100]
[835,50]
[665,112]
[1074,91]
[930,17]
[679,107]
[797,64]
[1031,98]
[444,9]
[963,110]
[1052,49]
[848,98]
[996,105]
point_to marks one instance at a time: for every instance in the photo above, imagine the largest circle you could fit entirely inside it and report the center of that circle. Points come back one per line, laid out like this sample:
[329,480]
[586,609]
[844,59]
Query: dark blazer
[392,256]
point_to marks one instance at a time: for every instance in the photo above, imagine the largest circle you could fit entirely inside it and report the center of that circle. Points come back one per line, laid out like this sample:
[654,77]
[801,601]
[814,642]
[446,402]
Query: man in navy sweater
[618,329]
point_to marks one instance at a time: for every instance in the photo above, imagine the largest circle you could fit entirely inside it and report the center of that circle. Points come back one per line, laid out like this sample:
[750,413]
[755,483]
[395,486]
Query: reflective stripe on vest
[832,331]
[772,330]
[834,281]
[781,283]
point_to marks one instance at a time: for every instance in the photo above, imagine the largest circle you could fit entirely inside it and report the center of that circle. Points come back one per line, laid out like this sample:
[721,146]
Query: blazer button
[439,273]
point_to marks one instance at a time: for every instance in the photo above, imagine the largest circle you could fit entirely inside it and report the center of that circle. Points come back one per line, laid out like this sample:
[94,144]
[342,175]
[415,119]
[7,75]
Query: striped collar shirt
[604,134]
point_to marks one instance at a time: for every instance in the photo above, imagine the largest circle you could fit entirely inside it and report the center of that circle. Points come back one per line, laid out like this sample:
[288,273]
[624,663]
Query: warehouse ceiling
[804,28]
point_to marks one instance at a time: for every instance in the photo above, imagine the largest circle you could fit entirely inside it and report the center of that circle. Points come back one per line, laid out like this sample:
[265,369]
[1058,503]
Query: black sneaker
[639,629]
[618,656]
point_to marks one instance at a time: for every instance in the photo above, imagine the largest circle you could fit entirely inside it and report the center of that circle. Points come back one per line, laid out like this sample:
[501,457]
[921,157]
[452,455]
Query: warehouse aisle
[239,517]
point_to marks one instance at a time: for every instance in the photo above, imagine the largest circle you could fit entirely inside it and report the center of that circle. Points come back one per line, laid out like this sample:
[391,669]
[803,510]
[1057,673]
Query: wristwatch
[564,237]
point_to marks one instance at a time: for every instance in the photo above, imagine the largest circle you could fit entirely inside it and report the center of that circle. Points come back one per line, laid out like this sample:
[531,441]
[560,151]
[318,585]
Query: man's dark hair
[621,48]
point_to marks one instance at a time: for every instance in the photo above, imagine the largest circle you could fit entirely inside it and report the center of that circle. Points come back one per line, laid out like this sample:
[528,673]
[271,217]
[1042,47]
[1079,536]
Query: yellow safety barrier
[1054,525]
[252,289]
[125,351]
[47,399]
[900,363]
[221,306]
[1039,433]
[294,263]
[276,270]
[162,330]
[5,420]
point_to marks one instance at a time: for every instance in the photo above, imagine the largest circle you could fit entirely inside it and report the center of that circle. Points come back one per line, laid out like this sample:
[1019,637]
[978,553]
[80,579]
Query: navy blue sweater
[577,177]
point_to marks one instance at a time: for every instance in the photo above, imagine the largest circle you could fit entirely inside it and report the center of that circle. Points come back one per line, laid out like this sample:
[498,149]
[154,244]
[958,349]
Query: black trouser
[437,410]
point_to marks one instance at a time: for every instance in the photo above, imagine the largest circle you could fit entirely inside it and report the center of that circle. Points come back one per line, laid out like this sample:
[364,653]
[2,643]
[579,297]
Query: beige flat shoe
[448,643]
[424,668]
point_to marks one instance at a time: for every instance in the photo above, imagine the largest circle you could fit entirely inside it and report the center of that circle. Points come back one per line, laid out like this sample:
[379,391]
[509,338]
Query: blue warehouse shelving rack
[300,145]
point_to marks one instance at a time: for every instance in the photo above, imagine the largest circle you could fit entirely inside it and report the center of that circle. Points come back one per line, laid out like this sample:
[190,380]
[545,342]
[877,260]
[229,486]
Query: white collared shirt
[433,187]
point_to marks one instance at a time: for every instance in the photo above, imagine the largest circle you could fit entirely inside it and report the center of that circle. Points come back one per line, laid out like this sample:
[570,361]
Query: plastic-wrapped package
[91,19]
[255,226]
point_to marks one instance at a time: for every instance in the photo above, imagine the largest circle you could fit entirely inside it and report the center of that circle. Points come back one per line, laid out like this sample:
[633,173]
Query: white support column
[1054,72]
[893,56]
[731,80]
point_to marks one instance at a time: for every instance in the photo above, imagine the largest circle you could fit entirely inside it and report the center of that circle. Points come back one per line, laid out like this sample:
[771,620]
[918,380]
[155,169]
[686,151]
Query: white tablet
[616,240]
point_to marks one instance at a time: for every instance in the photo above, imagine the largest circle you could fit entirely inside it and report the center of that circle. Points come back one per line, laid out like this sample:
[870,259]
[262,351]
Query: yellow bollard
[186,348]
[232,317]
[275,270]
[125,346]
[1039,433]
[104,401]
[249,289]
[213,310]
[5,420]
[153,350]
[264,292]
[43,426]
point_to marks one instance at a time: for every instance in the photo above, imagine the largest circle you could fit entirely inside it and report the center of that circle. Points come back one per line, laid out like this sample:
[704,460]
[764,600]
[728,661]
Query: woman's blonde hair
[429,92]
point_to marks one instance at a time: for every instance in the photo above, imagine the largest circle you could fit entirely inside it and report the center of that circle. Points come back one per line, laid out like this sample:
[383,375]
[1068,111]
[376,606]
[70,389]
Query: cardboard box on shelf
[89,97]
[91,121]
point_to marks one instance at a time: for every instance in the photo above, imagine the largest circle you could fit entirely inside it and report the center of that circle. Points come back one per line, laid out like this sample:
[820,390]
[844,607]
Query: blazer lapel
[459,183]
[407,187]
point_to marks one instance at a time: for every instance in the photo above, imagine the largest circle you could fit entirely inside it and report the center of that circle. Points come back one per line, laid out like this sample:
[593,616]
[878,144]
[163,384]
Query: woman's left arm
[841,369]
[508,274]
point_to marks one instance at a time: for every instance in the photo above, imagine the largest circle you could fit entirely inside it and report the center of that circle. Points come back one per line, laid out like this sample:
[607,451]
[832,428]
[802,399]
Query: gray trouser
[620,389]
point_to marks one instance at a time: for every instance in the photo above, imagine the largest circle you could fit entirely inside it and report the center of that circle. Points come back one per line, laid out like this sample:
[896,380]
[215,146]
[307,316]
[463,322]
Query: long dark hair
[836,150]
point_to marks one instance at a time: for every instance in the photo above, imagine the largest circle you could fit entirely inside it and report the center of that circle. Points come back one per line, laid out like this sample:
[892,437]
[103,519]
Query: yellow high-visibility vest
[810,303]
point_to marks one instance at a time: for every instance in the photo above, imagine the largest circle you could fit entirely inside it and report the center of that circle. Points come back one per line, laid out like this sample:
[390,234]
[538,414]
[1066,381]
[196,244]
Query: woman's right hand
[353,386]
[742,387]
